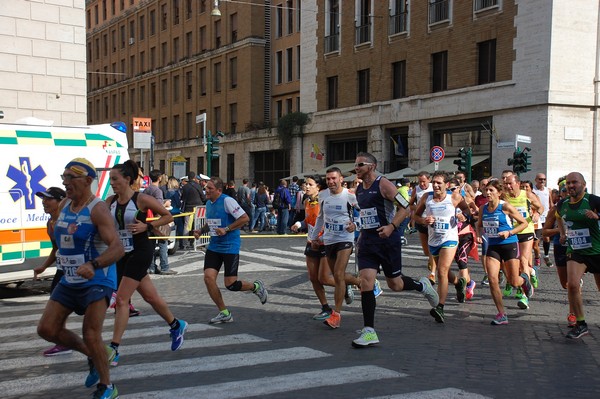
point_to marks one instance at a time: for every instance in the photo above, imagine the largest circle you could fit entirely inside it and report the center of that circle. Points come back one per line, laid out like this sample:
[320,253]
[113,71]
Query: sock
[115,346]
[546,246]
[412,285]
[326,308]
[225,312]
[440,306]
[100,385]
[368,302]
[581,322]
[174,324]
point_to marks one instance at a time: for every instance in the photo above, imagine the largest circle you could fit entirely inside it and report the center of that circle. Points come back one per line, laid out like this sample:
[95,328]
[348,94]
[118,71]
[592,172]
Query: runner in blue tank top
[88,247]
[382,210]
[496,222]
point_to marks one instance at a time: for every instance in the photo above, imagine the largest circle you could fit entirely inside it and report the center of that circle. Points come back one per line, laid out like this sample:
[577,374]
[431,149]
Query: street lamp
[215,11]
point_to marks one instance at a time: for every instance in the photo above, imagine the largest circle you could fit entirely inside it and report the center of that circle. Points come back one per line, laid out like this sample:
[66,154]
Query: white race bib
[69,265]
[490,228]
[369,218]
[579,239]
[126,239]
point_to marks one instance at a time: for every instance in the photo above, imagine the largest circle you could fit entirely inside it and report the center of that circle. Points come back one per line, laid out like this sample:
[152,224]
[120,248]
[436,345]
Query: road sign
[523,139]
[437,153]
[506,144]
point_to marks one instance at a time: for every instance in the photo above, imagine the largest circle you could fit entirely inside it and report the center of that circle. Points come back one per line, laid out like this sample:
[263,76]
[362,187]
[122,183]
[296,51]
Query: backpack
[276,200]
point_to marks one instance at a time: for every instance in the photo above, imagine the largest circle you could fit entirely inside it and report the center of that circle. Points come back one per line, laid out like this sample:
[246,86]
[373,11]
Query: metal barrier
[199,222]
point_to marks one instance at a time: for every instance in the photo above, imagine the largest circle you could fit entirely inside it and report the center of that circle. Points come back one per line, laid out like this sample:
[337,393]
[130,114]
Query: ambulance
[32,158]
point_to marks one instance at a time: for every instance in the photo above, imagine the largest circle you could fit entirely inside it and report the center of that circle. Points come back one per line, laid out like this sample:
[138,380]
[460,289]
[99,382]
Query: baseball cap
[184,178]
[52,192]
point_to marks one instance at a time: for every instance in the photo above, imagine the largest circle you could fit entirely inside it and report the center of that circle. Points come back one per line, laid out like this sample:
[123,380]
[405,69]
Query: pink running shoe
[470,291]
[57,350]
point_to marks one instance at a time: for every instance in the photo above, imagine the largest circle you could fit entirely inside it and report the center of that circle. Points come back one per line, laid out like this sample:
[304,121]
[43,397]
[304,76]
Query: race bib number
[126,239]
[69,265]
[490,228]
[441,224]
[522,211]
[213,225]
[369,218]
[332,225]
[579,238]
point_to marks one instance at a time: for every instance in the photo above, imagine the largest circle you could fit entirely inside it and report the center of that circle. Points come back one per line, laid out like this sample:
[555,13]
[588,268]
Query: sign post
[142,137]
[437,154]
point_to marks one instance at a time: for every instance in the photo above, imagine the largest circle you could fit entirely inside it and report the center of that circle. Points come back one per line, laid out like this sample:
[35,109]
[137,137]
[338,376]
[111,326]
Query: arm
[480,225]
[389,192]
[241,217]
[549,230]
[419,211]
[536,205]
[318,225]
[105,224]
[48,261]
[146,202]
[511,211]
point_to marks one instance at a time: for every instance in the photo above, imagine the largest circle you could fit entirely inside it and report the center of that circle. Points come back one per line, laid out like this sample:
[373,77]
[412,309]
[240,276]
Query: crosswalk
[25,373]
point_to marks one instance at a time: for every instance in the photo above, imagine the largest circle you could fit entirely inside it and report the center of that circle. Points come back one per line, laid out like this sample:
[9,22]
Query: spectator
[191,197]
[282,204]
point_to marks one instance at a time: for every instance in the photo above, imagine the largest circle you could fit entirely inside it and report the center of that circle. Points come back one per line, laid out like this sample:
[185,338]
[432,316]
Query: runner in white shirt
[336,220]
[544,194]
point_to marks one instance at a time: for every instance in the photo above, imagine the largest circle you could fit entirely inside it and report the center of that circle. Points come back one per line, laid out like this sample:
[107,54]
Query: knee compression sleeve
[237,286]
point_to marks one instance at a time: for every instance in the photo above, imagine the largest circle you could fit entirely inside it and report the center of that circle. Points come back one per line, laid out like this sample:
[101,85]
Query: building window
[164,95]
[153,95]
[290,17]
[176,88]
[202,79]
[152,58]
[175,12]
[345,150]
[399,79]
[289,105]
[230,167]
[233,118]
[363,21]
[189,85]
[217,75]
[164,53]
[233,72]
[132,101]
[163,18]
[188,9]
[234,27]
[152,22]
[176,127]
[189,126]
[142,24]
[332,26]
[398,148]
[176,49]
[332,92]
[487,61]
[123,102]
[188,45]
[142,61]
[278,67]
[217,113]
[269,166]
[202,39]
[96,14]
[279,111]
[439,10]
[439,73]
[104,10]
[399,17]
[105,45]
[132,71]
[142,98]
[364,86]
[122,32]
[218,34]
[289,53]
[97,42]
[202,6]
[279,21]
[483,4]
[164,123]
[131,32]
[113,40]
[298,62]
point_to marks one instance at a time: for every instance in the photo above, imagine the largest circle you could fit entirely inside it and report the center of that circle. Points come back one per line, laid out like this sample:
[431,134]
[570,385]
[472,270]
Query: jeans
[179,222]
[283,216]
[163,254]
[259,216]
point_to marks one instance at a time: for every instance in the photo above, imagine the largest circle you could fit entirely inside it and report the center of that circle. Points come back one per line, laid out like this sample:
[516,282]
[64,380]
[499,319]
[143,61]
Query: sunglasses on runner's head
[361,164]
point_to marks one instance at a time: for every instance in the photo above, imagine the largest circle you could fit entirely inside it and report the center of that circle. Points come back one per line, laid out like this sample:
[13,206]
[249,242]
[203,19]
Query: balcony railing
[439,10]
[398,23]
[332,43]
[481,4]
[363,34]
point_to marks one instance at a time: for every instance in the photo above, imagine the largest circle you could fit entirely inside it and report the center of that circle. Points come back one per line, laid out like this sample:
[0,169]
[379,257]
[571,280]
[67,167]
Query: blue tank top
[216,216]
[495,222]
[79,242]
[375,211]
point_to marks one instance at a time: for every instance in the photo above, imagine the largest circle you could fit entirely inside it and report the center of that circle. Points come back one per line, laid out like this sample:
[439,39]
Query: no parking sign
[437,154]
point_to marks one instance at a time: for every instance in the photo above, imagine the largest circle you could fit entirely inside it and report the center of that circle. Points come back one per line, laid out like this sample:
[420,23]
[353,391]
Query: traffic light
[212,148]
[520,161]
[463,163]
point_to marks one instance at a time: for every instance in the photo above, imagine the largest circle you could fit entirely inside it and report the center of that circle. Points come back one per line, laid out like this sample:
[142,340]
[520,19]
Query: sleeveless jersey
[375,211]
[127,214]
[524,207]
[544,196]
[583,233]
[221,213]
[445,226]
[79,242]
[419,192]
[337,211]
[495,222]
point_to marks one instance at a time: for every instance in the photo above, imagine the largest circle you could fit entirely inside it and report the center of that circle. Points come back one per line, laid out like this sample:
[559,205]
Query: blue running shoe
[377,289]
[106,392]
[92,377]
[177,335]
[115,361]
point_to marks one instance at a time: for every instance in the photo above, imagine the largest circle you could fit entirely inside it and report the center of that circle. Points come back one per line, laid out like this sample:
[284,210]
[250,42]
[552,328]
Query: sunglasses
[68,178]
[361,164]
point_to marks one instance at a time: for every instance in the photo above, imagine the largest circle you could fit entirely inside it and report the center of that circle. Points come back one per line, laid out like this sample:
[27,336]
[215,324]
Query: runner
[545,196]
[423,187]
[382,209]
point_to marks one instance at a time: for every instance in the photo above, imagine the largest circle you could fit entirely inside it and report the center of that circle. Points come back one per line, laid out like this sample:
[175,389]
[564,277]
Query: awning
[447,165]
[399,174]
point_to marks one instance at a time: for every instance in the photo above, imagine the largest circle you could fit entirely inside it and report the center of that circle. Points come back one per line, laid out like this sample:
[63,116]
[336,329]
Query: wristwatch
[227,229]
[95,264]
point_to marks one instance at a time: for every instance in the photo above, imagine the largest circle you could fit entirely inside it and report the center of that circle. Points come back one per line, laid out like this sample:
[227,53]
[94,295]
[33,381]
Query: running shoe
[437,313]
[116,358]
[367,337]
[334,320]
[527,287]
[177,335]
[571,320]
[323,315]
[349,295]
[429,292]
[548,261]
[500,319]
[523,303]
[260,291]
[485,281]
[519,293]
[377,290]
[508,289]
[133,311]
[578,331]
[221,318]
[461,287]
[106,392]
[113,300]
[534,280]
[537,262]
[93,377]
[470,290]
[57,350]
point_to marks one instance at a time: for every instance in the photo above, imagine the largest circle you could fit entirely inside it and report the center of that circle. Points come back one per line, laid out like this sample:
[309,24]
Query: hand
[563,239]
[37,271]
[386,231]
[137,227]
[351,227]
[86,271]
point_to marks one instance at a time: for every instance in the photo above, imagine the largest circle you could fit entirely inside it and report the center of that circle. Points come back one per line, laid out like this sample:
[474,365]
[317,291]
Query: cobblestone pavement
[277,351]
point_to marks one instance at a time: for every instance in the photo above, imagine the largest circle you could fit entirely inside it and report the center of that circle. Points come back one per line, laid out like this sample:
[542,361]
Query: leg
[124,293]
[52,328]
[493,270]
[312,265]
[210,280]
[444,260]
[325,275]
[92,336]
[575,271]
[148,291]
